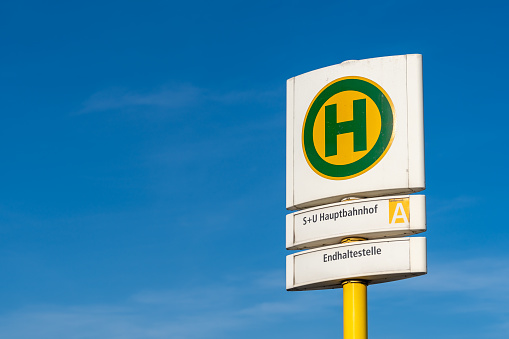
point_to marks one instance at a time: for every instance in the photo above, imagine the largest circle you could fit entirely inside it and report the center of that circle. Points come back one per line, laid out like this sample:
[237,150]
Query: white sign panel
[374,261]
[372,218]
[355,129]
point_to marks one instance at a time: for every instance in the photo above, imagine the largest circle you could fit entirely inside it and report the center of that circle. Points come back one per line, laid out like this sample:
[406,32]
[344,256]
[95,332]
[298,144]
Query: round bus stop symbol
[348,128]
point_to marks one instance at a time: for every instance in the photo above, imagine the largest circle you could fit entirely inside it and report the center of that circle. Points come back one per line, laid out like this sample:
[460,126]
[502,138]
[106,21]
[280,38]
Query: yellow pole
[355,306]
[355,310]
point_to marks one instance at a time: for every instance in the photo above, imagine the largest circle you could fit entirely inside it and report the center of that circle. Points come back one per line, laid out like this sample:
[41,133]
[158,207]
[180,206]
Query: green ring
[382,143]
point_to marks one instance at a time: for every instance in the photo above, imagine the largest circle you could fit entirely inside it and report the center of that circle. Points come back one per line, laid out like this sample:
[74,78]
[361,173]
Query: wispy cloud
[452,204]
[478,283]
[209,311]
[116,98]
[458,298]
[243,304]
[470,275]
[170,97]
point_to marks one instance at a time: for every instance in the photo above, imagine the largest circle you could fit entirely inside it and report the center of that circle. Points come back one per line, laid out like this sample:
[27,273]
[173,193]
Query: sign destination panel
[372,218]
[355,129]
[373,261]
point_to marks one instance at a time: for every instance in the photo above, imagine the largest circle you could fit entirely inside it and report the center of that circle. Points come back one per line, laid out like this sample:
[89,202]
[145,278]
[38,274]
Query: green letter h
[357,126]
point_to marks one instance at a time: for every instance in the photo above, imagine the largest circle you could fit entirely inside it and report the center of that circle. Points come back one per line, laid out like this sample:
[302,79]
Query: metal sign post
[355,305]
[355,130]
[355,309]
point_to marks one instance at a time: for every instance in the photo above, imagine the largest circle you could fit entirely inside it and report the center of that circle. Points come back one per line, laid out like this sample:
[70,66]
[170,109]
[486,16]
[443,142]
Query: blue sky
[143,176]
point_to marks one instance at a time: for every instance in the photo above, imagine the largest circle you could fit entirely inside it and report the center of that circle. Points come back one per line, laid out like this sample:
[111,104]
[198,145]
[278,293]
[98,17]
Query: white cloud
[208,311]
[171,97]
[475,286]
[469,275]
[258,300]
[444,207]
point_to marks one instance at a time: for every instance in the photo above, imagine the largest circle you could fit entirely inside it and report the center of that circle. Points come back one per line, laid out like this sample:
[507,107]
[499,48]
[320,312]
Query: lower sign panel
[374,261]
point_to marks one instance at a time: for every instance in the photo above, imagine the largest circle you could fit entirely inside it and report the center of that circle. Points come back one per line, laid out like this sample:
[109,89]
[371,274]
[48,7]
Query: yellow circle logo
[348,128]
